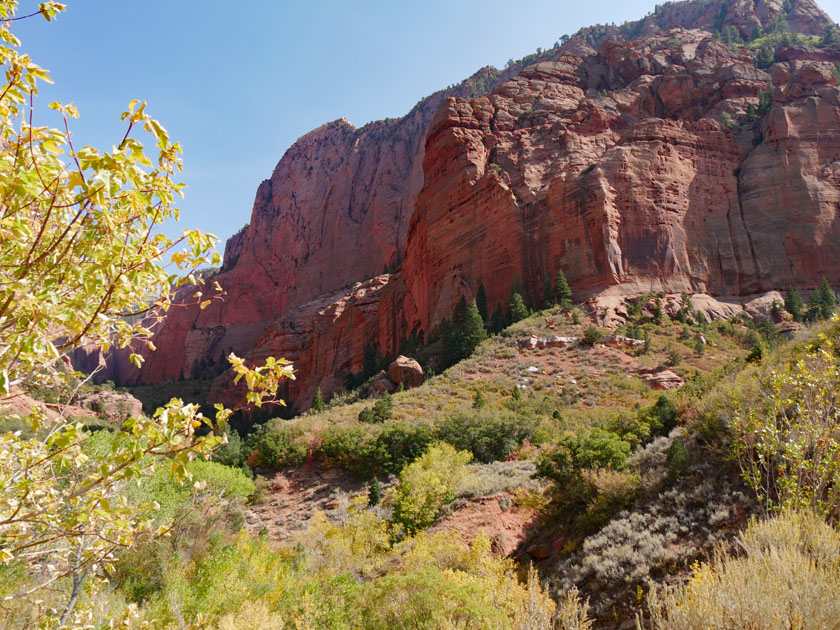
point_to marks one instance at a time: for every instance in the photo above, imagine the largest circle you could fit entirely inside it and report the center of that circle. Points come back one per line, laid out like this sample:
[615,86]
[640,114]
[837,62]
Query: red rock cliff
[609,158]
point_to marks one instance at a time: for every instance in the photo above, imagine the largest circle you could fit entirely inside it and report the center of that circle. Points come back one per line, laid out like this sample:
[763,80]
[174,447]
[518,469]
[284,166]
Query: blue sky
[238,83]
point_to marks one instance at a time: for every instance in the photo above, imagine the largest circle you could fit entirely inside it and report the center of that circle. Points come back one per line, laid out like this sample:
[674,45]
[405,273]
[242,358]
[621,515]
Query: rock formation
[631,157]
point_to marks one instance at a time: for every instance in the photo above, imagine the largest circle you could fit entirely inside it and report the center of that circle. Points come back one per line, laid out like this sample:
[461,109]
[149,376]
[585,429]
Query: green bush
[234,453]
[275,447]
[394,448]
[175,497]
[677,459]
[487,436]
[595,449]
[592,335]
[382,410]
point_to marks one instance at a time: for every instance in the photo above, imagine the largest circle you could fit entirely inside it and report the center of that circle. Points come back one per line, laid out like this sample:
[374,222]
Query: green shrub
[234,453]
[487,436]
[677,459]
[592,335]
[275,447]
[394,448]
[596,449]
[175,497]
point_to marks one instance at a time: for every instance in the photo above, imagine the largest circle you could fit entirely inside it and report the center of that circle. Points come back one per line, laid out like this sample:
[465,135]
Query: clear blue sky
[238,83]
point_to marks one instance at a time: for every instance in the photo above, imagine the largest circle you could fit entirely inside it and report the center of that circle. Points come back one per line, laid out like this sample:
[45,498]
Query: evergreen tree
[823,301]
[646,348]
[481,303]
[464,335]
[831,36]
[657,311]
[318,401]
[497,322]
[766,56]
[460,312]
[518,310]
[472,330]
[793,303]
[410,345]
[374,491]
[516,285]
[562,291]
[516,394]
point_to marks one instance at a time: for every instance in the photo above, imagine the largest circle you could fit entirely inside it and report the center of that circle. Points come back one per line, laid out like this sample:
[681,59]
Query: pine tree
[518,310]
[516,285]
[318,401]
[516,394]
[481,303]
[370,360]
[657,311]
[374,491]
[823,301]
[472,331]
[562,291]
[497,322]
[793,303]
[460,312]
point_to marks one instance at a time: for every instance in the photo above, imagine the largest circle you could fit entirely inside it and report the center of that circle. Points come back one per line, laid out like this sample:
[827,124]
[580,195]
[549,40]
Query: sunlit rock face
[627,157]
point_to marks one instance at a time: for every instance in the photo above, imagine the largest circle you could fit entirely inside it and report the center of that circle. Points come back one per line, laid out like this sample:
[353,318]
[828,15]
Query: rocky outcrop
[630,157]
[406,371]
[660,378]
[110,405]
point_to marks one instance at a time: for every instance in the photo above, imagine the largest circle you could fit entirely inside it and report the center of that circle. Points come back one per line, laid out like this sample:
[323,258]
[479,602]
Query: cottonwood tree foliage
[82,262]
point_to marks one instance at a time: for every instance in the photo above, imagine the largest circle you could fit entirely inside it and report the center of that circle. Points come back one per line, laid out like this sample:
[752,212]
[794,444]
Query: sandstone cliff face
[335,211]
[609,161]
[616,167]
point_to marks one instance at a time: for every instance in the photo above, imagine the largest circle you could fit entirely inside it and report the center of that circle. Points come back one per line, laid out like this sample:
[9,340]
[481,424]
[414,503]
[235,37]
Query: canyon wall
[631,157]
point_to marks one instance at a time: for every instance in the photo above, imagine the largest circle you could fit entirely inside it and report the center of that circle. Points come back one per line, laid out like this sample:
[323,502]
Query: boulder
[620,341]
[382,383]
[661,378]
[407,371]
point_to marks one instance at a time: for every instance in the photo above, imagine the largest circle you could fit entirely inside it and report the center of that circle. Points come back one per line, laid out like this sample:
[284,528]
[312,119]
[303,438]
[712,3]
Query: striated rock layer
[617,168]
[629,157]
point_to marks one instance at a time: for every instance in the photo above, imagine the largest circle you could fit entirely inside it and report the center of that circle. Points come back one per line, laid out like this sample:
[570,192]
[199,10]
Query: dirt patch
[496,517]
[295,495]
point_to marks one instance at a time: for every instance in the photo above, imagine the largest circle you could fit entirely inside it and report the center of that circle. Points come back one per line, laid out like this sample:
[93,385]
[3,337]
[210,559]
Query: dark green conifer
[518,310]
[793,303]
[497,322]
[481,303]
[472,330]
[374,491]
[318,401]
[562,291]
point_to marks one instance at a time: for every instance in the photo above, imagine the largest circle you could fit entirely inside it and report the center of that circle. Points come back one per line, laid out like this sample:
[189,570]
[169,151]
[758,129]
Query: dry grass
[787,578]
